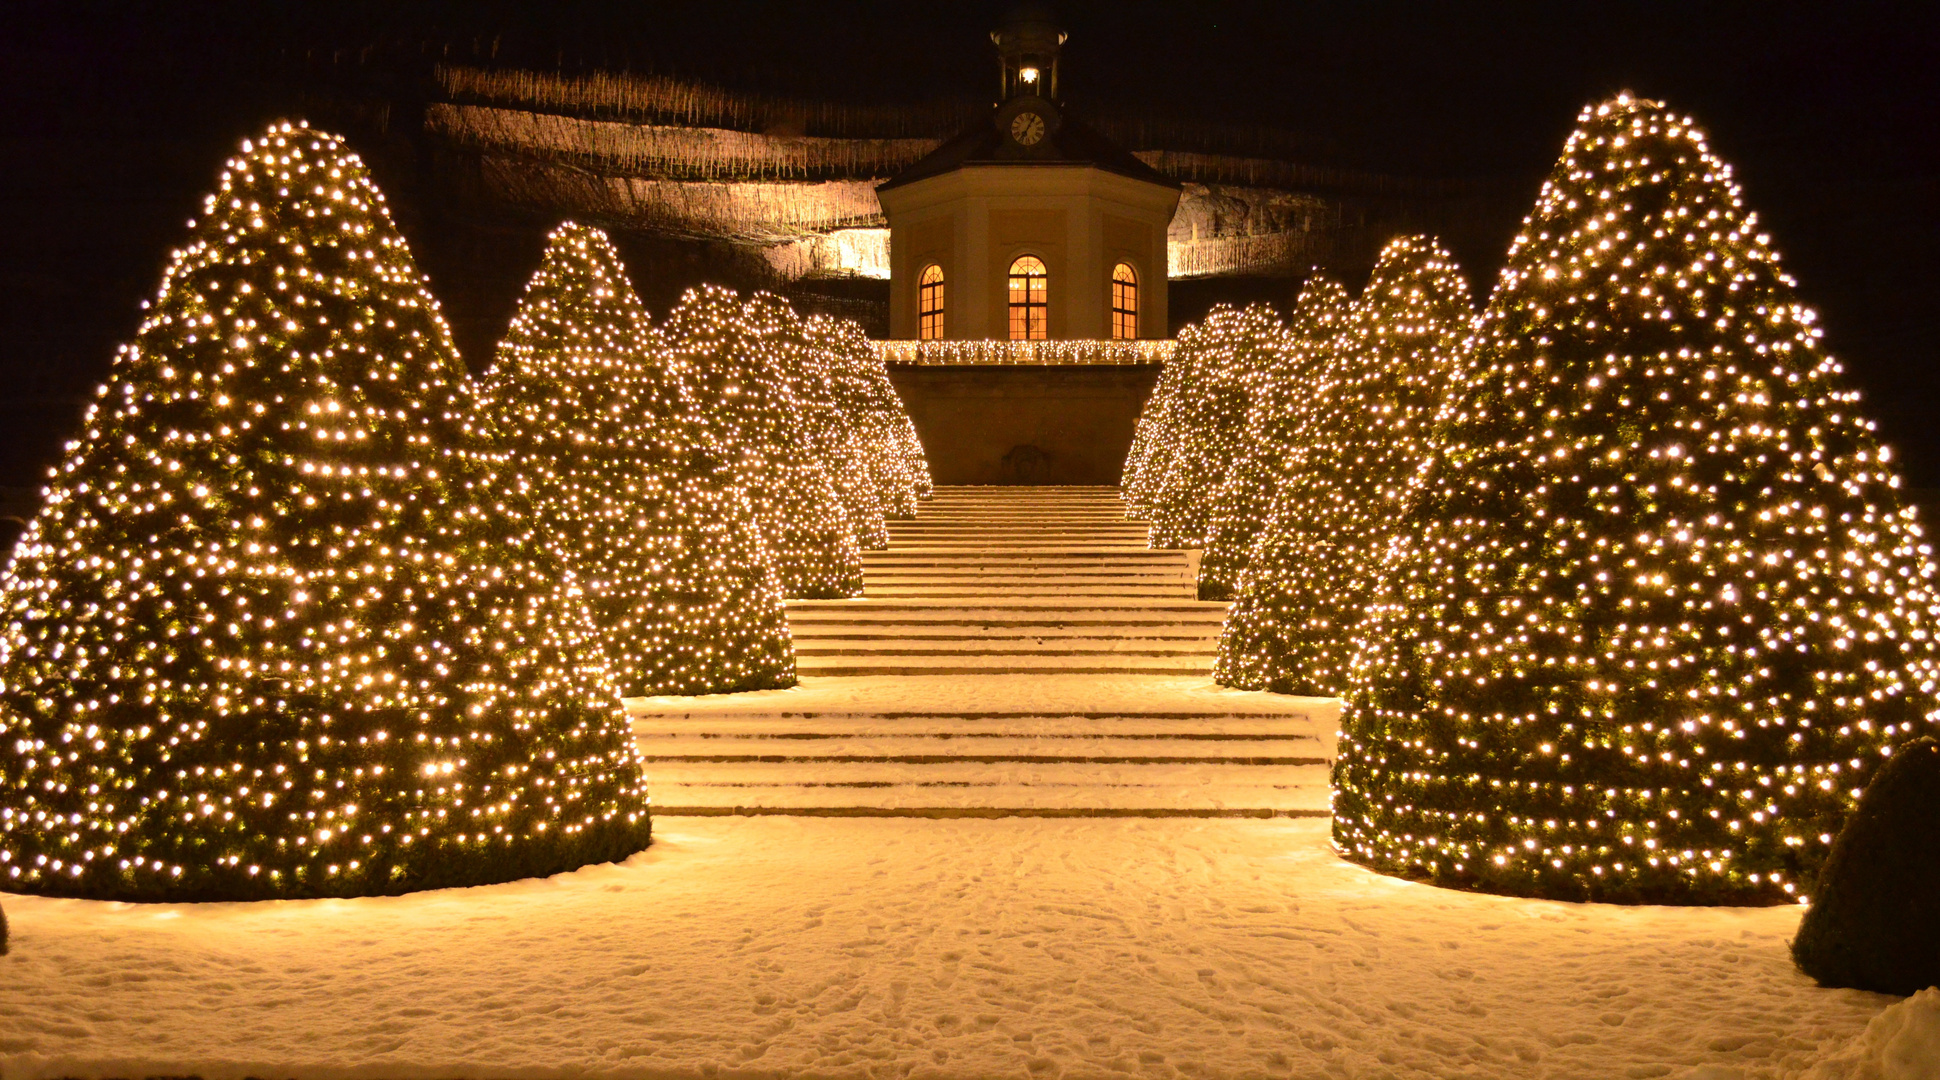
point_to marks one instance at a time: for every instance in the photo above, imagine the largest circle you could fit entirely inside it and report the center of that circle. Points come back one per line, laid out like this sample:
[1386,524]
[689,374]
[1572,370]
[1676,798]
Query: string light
[1152,442]
[1204,423]
[894,455]
[1000,351]
[1358,445]
[627,489]
[1282,396]
[840,436]
[282,626]
[1662,611]
[743,360]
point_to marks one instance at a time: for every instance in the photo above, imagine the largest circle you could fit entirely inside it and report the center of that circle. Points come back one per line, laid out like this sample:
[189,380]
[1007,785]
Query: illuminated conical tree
[595,412]
[1153,438]
[895,456]
[1661,610]
[837,433]
[1284,396]
[281,628]
[739,355]
[1361,446]
[1236,348]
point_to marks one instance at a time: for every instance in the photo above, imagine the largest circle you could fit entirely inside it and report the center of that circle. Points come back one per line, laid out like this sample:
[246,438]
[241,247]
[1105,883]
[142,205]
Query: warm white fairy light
[1357,443]
[1661,611]
[282,627]
[839,433]
[742,358]
[598,417]
[1204,419]
[895,460]
[1283,396]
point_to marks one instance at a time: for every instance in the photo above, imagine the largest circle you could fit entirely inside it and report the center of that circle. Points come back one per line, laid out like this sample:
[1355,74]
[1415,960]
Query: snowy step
[1049,589]
[1038,607]
[1190,792]
[986,745]
[1017,651]
[956,633]
[1025,664]
[1012,645]
[945,571]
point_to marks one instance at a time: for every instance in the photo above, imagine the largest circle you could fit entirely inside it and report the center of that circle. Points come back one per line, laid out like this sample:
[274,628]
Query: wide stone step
[1017,579]
[1016,791]
[849,645]
[995,594]
[973,631]
[1118,741]
[972,664]
[1142,609]
[968,632]
[996,537]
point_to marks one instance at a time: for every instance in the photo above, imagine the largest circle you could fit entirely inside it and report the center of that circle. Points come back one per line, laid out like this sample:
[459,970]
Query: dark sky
[116,116]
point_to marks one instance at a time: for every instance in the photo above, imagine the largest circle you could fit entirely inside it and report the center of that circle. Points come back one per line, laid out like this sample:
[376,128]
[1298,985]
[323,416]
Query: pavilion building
[1029,225]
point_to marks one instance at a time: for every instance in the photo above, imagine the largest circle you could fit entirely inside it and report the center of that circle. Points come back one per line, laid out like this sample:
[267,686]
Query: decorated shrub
[1235,352]
[1661,611]
[837,433]
[739,355]
[895,459]
[1282,400]
[1874,922]
[1145,460]
[1361,444]
[595,413]
[281,628]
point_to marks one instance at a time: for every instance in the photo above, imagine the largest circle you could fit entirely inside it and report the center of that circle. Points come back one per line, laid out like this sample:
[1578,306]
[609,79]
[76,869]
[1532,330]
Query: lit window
[1124,301]
[1029,312]
[930,302]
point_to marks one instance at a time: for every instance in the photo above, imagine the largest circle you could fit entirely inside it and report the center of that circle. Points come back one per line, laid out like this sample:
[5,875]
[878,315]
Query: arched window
[929,305]
[1029,309]
[1124,301]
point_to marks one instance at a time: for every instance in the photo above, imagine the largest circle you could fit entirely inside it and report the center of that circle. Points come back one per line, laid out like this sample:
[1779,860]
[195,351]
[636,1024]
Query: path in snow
[879,947]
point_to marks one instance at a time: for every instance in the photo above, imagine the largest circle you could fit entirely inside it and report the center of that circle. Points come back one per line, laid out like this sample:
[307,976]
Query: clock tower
[1030,225]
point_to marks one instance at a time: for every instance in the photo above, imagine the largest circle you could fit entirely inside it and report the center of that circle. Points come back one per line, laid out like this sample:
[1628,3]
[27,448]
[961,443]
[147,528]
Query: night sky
[118,115]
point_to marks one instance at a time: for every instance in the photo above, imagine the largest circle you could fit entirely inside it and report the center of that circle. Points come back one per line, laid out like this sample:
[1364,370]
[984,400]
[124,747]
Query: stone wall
[1025,424]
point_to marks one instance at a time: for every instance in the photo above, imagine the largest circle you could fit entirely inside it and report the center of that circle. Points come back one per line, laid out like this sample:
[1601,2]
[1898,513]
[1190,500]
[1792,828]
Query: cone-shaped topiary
[1283,397]
[739,354]
[1874,923]
[596,414]
[1660,610]
[1156,438]
[281,628]
[895,455]
[1361,447]
[1151,436]
[1236,348]
[838,433]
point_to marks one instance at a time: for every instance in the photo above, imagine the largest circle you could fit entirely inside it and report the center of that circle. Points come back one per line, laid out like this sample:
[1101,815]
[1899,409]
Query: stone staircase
[1018,652]
[1012,580]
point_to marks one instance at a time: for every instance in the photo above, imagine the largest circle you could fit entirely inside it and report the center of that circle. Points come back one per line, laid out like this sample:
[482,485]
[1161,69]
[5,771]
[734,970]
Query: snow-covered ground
[975,948]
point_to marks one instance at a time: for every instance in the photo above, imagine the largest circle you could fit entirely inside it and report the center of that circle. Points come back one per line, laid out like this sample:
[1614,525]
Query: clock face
[1027,128]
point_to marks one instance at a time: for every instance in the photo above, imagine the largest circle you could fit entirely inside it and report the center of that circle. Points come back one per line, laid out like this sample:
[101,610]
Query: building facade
[1029,225]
